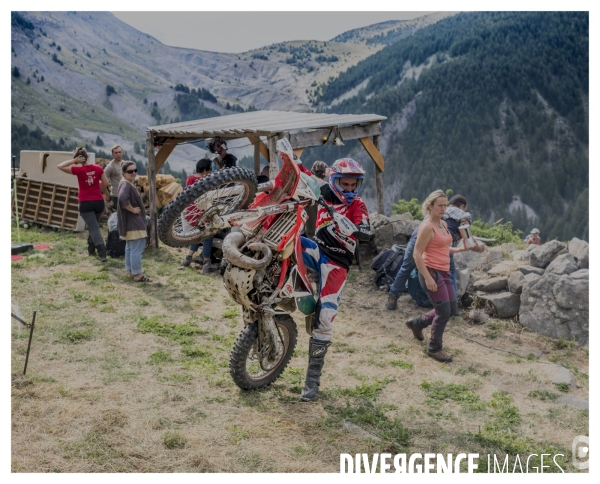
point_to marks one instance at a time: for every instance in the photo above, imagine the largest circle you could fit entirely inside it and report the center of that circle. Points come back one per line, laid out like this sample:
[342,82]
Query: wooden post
[152,188]
[256,141]
[273,165]
[378,181]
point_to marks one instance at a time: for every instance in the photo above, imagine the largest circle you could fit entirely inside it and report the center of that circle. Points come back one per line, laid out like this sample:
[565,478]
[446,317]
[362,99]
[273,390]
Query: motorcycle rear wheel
[244,366]
[215,190]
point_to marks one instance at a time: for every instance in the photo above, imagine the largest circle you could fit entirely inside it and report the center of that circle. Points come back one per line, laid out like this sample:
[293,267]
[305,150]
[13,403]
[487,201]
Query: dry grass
[111,387]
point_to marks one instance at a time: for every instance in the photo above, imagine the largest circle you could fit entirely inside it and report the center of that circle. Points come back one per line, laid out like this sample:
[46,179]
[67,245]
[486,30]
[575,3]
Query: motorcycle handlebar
[327,207]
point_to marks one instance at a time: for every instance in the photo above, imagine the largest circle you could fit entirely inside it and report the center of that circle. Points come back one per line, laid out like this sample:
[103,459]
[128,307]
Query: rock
[493,255]
[580,274]
[542,255]
[516,282]
[475,261]
[505,304]
[574,402]
[532,277]
[519,255]
[556,306]
[384,237]
[401,217]
[530,269]
[580,250]
[503,268]
[563,264]
[462,281]
[491,285]
[556,374]
[478,317]
[508,246]
[377,220]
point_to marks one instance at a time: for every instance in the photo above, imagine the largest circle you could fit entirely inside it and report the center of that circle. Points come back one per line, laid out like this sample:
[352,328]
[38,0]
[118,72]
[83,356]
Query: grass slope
[127,377]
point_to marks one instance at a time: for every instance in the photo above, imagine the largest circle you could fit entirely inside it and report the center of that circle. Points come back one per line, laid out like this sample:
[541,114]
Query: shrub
[15,72]
[110,90]
[413,207]
[503,233]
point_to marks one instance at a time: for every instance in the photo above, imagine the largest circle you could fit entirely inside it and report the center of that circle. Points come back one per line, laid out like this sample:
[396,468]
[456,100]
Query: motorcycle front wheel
[187,219]
[245,365]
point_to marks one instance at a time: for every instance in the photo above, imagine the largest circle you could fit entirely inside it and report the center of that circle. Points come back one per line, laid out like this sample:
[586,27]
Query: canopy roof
[261,123]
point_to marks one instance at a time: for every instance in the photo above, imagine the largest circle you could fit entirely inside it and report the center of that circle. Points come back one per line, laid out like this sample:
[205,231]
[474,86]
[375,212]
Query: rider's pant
[332,278]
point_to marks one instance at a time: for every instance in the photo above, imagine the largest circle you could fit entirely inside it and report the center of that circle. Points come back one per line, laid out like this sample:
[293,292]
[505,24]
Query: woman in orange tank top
[432,257]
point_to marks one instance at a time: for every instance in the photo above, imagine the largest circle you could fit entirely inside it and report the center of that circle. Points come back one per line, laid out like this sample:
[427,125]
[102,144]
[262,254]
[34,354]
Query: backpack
[386,265]
[115,246]
[416,291]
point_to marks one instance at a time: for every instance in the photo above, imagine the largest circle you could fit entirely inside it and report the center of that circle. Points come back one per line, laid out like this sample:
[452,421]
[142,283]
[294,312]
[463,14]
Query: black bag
[386,265]
[115,246]
[416,291]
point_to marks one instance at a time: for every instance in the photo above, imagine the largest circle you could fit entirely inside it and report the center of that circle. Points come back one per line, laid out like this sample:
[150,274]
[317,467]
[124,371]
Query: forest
[501,111]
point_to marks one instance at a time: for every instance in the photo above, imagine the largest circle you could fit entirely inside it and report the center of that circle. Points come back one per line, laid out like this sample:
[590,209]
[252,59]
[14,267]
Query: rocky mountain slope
[68,61]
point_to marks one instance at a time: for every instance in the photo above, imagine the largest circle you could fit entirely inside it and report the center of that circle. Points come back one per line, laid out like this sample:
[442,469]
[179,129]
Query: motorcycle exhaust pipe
[231,252]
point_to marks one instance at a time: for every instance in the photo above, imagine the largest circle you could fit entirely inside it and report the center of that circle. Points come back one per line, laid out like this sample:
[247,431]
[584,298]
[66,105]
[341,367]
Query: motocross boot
[316,352]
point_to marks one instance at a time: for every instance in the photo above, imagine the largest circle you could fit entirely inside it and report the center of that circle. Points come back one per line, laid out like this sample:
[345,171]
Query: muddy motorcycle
[265,271]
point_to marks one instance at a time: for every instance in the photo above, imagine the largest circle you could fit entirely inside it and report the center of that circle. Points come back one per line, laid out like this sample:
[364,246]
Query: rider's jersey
[335,245]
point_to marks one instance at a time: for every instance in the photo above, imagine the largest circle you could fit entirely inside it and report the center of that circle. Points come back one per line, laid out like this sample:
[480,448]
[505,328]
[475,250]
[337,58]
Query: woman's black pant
[90,212]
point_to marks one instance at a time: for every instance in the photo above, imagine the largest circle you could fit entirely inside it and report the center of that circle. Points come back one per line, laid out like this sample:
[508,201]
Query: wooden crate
[47,203]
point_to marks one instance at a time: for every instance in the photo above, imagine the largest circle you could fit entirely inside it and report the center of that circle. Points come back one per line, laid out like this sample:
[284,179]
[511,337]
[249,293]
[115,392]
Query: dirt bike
[265,272]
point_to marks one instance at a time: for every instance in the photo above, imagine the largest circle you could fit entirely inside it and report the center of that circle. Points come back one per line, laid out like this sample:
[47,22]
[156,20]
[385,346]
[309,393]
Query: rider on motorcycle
[330,255]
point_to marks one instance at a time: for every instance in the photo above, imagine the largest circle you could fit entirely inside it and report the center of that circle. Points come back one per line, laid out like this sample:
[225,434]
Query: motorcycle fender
[288,250]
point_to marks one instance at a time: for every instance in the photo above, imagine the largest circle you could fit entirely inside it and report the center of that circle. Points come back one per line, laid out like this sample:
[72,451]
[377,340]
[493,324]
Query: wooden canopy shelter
[302,130]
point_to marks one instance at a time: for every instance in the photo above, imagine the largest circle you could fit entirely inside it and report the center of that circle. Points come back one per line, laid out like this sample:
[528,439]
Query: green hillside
[501,111]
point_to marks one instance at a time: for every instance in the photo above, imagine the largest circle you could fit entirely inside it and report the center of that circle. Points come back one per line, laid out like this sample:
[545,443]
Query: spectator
[320,169]
[455,216]
[533,238]
[114,173]
[432,257]
[264,175]
[224,159]
[203,168]
[92,183]
[132,222]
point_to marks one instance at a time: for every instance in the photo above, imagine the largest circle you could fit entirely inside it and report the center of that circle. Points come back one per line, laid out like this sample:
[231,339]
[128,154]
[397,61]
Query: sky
[235,32]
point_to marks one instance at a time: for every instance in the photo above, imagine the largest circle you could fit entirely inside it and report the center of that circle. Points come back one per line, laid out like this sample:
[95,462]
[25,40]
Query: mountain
[83,75]
[491,105]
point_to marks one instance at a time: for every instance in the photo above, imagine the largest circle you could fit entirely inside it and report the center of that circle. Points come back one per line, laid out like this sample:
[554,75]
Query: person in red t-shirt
[203,168]
[92,184]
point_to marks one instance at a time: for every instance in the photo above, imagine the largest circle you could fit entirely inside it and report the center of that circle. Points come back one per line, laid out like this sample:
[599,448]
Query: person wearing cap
[219,147]
[533,238]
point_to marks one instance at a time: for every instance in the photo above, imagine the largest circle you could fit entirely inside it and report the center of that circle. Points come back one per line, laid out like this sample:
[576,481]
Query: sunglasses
[131,171]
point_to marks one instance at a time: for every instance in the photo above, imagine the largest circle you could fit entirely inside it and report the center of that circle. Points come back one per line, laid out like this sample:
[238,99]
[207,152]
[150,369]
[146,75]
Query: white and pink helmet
[346,168]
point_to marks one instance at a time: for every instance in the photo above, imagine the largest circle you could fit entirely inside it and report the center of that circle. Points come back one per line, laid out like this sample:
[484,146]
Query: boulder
[384,237]
[478,317]
[542,255]
[580,274]
[520,255]
[556,306]
[504,304]
[563,264]
[377,220]
[531,277]
[401,217]
[475,261]
[516,282]
[579,249]
[462,281]
[491,285]
[530,269]
[556,374]
[504,267]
